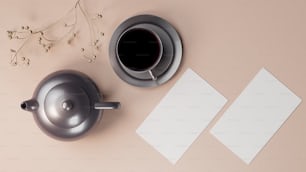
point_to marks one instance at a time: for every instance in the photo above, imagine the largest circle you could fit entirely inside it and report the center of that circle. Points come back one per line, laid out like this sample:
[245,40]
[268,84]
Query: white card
[254,117]
[181,116]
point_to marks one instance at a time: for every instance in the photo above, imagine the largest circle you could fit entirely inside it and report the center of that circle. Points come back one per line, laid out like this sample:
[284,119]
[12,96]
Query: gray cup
[141,51]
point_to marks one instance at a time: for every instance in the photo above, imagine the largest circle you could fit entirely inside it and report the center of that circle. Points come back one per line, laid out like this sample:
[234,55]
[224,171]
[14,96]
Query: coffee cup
[140,49]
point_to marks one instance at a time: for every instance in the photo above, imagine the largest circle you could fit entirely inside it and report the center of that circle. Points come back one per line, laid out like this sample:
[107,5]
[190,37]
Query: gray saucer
[170,61]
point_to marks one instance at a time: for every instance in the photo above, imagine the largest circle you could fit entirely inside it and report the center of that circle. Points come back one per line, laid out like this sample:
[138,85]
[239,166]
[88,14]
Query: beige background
[225,41]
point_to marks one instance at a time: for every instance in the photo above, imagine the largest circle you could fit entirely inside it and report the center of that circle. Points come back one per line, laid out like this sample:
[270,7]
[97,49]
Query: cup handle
[106,105]
[154,78]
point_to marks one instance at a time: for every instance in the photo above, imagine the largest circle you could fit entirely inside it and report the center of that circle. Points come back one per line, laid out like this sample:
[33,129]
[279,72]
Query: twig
[27,34]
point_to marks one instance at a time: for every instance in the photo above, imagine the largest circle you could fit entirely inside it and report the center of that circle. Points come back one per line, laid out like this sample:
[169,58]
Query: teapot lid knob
[67,105]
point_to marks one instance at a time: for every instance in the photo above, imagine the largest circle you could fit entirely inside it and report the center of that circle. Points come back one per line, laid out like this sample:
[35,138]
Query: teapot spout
[29,105]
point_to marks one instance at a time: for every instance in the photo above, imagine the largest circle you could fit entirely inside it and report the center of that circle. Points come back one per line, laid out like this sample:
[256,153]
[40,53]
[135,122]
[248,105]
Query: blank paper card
[181,116]
[253,118]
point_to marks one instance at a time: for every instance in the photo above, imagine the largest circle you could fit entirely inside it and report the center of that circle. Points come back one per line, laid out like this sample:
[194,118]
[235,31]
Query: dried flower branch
[71,29]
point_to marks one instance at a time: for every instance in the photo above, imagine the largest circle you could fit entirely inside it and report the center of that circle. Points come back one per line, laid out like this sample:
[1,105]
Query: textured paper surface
[181,116]
[255,116]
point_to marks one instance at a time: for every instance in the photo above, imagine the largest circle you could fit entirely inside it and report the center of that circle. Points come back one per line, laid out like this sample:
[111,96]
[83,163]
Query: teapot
[67,104]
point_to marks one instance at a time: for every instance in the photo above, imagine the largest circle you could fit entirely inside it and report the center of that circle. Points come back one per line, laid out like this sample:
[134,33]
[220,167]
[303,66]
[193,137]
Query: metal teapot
[67,104]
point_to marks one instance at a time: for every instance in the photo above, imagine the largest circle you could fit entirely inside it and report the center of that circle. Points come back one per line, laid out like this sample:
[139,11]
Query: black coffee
[138,49]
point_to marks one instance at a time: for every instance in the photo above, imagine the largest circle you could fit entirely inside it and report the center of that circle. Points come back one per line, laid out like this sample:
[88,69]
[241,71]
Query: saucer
[170,61]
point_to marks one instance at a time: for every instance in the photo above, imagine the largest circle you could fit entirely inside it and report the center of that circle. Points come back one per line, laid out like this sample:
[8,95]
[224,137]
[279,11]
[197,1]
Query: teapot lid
[66,104]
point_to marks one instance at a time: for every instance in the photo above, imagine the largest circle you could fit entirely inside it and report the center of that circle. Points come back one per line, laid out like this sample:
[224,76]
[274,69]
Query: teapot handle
[106,105]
